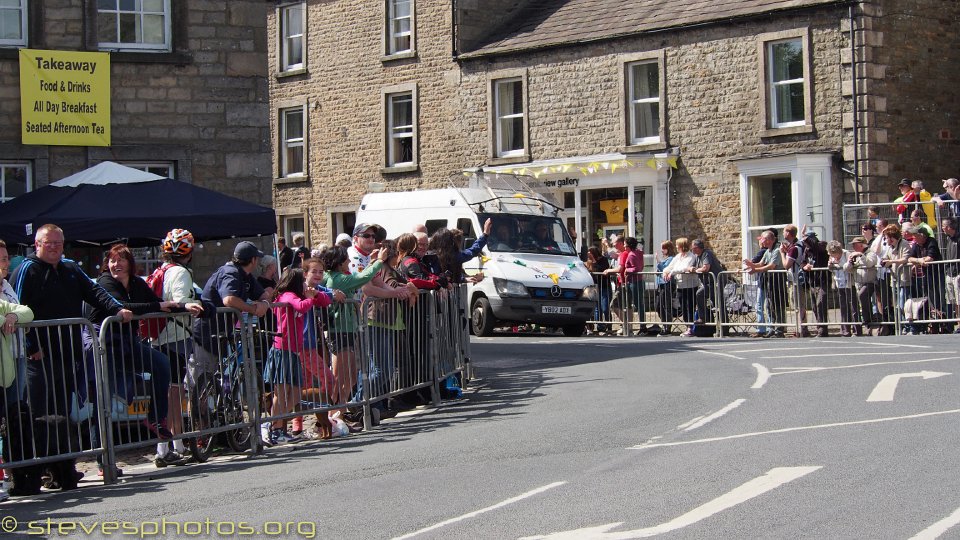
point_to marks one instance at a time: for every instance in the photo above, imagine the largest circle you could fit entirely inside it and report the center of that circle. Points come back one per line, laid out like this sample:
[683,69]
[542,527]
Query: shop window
[134,25]
[13,23]
[15,180]
[292,20]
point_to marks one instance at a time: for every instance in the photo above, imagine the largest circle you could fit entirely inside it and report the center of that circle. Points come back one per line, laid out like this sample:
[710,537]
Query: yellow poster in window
[65,97]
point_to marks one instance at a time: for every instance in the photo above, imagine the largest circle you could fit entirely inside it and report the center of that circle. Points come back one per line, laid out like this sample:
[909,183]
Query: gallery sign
[65,98]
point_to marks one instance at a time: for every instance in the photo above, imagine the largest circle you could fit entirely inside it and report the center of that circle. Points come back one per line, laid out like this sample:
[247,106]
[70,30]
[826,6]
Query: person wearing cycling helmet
[175,340]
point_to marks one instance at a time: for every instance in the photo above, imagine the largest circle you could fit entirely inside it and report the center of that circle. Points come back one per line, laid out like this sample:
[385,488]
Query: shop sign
[561,183]
[65,97]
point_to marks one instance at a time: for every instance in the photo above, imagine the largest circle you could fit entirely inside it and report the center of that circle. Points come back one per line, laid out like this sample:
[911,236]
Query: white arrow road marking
[940,527]
[758,486]
[475,513]
[888,385]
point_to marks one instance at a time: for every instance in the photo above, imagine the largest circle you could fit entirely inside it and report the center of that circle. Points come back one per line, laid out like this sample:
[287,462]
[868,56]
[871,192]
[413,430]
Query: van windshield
[521,233]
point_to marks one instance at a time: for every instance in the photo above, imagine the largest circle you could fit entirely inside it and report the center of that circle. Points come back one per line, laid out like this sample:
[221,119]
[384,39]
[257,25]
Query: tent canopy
[109,202]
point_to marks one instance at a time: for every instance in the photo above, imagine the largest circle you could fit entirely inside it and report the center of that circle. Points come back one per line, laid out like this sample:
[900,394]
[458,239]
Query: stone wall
[913,102]
[205,106]
[343,86]
[713,112]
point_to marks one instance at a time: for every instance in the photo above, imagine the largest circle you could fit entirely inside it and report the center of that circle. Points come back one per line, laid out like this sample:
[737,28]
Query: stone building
[188,93]
[653,118]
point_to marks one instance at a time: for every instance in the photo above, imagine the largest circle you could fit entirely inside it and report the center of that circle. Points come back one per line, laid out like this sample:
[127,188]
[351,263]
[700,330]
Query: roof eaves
[506,51]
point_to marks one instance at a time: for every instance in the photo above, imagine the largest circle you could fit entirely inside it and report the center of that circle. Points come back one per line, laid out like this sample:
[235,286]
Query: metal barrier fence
[97,391]
[649,303]
[45,421]
[856,215]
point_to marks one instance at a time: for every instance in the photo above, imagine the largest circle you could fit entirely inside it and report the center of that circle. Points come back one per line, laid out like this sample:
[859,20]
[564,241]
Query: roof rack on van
[507,191]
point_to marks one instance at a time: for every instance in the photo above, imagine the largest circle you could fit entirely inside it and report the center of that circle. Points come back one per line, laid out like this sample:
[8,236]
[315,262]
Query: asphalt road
[601,438]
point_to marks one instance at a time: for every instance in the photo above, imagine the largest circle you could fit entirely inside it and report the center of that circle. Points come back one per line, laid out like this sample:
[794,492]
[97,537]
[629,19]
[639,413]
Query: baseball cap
[379,232]
[341,237]
[858,240]
[904,182]
[246,250]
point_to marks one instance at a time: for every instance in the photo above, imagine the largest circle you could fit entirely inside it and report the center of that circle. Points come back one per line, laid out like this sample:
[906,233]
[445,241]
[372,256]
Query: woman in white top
[680,271]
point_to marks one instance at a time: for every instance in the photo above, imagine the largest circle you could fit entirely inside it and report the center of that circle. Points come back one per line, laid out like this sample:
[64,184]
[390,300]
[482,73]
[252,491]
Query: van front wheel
[481,318]
[574,330]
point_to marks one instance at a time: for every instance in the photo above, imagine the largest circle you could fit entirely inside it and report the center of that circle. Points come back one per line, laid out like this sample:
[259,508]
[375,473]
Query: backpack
[151,328]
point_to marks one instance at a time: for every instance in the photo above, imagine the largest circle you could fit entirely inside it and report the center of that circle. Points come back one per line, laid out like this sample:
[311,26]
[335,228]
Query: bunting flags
[655,163]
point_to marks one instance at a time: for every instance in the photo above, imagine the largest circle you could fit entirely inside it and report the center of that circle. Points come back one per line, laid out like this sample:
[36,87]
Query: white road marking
[763,375]
[887,386]
[881,344]
[869,364]
[938,528]
[754,488]
[715,415]
[791,429]
[476,513]
[822,355]
[687,423]
[720,354]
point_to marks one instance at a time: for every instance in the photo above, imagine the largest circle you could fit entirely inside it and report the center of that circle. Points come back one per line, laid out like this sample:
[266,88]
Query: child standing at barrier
[317,376]
[282,368]
[344,338]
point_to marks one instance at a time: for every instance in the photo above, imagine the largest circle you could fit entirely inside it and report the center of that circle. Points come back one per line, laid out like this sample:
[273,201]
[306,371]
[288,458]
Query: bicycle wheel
[203,415]
[237,439]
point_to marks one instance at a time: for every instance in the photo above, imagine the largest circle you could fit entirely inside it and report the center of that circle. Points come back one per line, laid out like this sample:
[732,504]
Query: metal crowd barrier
[46,419]
[94,390]
[927,298]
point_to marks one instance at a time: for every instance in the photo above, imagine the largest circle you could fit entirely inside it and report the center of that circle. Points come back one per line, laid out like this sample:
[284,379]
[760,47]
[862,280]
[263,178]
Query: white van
[532,272]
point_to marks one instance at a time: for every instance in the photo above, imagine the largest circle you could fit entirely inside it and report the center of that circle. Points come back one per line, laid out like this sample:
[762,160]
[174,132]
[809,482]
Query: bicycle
[216,401]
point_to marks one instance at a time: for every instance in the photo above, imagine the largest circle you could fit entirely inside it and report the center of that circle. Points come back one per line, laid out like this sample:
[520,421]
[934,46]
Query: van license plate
[562,310]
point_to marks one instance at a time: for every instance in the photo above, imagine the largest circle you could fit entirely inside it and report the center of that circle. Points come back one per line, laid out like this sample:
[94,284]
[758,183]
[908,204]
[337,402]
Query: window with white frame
[137,25]
[293,226]
[15,180]
[779,191]
[508,113]
[165,169]
[13,23]
[292,36]
[400,130]
[399,26]
[292,142]
[643,81]
[785,83]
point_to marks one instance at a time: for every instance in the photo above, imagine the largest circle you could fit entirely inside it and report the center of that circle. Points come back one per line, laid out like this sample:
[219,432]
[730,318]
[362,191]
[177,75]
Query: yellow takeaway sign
[65,97]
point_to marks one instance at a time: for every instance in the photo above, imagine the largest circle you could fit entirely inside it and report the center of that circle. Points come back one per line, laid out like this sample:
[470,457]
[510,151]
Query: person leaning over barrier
[774,284]
[233,286]
[125,352]
[926,282]
[863,264]
[842,278]
[56,288]
[895,260]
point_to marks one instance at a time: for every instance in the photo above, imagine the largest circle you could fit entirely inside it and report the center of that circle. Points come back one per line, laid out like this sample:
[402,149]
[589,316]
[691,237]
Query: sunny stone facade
[194,108]
[715,123]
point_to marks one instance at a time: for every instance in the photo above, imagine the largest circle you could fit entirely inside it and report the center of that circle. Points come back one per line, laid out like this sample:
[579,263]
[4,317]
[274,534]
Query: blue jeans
[384,347]
[761,309]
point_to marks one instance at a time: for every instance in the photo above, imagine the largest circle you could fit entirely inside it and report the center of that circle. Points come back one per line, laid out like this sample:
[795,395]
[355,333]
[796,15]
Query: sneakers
[170,458]
[278,436]
[159,430]
[688,333]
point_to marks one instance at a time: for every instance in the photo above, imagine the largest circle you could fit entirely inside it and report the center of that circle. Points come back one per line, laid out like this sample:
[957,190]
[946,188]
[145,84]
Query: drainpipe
[856,106]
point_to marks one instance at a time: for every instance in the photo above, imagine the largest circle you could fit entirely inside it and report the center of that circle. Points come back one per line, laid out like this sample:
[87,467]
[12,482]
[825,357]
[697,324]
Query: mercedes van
[530,266]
